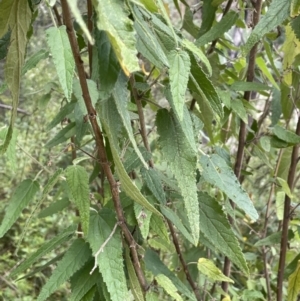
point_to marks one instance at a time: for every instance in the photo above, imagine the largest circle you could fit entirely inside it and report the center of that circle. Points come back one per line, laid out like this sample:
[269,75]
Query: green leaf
[61,51]
[198,53]
[216,228]
[109,67]
[23,194]
[218,29]
[120,97]
[110,260]
[64,111]
[294,284]
[295,8]
[188,23]
[286,135]
[78,17]
[277,12]
[208,268]
[11,150]
[156,266]
[47,247]
[75,257]
[78,184]
[82,281]
[62,136]
[54,207]
[111,120]
[249,86]
[157,224]
[34,60]
[112,17]
[238,107]
[295,23]
[285,187]
[133,280]
[147,42]
[168,286]
[218,173]
[143,218]
[273,239]
[280,196]
[16,16]
[153,182]
[182,162]
[209,9]
[148,4]
[170,215]
[200,84]
[4,44]
[266,71]
[152,296]
[179,74]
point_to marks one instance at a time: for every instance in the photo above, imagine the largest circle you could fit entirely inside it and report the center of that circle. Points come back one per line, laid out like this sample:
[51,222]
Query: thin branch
[182,261]
[100,145]
[57,15]
[7,107]
[101,249]
[141,117]
[286,217]
[243,131]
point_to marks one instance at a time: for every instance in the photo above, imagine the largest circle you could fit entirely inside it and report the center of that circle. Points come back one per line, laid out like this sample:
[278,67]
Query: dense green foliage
[151,150]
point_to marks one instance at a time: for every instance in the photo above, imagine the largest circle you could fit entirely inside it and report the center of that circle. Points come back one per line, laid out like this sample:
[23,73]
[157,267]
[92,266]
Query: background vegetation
[149,150]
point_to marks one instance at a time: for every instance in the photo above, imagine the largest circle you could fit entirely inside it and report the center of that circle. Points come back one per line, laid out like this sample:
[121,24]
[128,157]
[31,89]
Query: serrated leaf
[286,135]
[148,4]
[61,51]
[280,196]
[133,280]
[157,224]
[294,284]
[4,44]
[75,257]
[111,121]
[78,17]
[11,149]
[188,23]
[120,96]
[16,16]
[182,162]
[23,194]
[168,286]
[147,42]
[273,239]
[78,184]
[110,260]
[63,135]
[218,29]
[64,111]
[249,86]
[132,161]
[143,218]
[208,16]
[238,107]
[218,173]
[34,60]
[179,74]
[198,53]
[113,18]
[158,243]
[295,23]
[208,268]
[277,12]
[169,214]
[200,84]
[152,296]
[216,228]
[156,266]
[82,282]
[153,182]
[109,67]
[47,247]
[295,8]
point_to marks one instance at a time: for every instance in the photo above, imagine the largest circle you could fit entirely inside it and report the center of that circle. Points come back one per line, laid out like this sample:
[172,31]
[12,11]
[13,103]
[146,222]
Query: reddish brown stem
[100,145]
[286,218]
[182,261]
[243,131]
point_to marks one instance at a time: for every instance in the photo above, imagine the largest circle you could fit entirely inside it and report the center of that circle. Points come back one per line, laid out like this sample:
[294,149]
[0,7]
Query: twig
[286,217]
[243,131]
[182,261]
[100,145]
[7,107]
[101,249]
[141,117]
[57,15]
